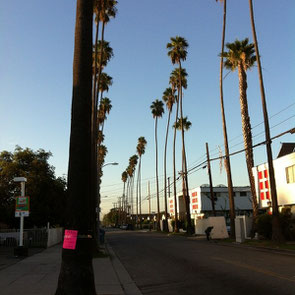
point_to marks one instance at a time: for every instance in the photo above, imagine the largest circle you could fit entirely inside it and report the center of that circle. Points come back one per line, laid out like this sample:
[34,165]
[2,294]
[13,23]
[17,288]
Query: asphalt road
[161,264]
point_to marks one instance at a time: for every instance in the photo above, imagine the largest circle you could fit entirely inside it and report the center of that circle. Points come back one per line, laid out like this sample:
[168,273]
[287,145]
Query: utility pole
[210,180]
[149,197]
[168,197]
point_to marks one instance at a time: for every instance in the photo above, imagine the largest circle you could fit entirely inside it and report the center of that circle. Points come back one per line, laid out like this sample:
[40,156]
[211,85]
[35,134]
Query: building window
[290,174]
[243,194]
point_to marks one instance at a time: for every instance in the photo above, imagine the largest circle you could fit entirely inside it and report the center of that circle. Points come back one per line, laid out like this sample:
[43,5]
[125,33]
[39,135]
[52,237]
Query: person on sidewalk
[208,232]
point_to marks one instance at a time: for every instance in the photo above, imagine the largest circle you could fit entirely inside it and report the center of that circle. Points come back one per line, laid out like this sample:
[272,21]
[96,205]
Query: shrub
[264,225]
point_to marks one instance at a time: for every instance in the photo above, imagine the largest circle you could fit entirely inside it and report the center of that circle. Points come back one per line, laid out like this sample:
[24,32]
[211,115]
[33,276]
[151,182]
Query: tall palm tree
[226,149]
[241,56]
[124,179]
[157,108]
[276,227]
[177,51]
[107,10]
[169,98]
[133,160]
[140,148]
[76,272]
[175,82]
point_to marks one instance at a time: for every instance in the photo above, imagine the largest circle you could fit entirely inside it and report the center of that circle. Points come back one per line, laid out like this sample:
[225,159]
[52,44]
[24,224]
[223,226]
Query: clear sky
[36,52]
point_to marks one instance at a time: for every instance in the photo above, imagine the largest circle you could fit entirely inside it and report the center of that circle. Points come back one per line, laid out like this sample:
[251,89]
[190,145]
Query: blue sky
[36,52]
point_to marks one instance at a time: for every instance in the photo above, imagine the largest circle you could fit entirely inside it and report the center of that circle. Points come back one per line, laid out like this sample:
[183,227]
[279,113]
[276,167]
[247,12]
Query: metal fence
[31,238]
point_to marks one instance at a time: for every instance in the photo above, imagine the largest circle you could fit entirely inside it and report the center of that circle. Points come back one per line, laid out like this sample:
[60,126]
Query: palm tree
[104,83]
[175,83]
[157,108]
[124,179]
[241,56]
[107,10]
[140,151]
[104,109]
[133,160]
[226,149]
[169,98]
[178,52]
[76,272]
[276,227]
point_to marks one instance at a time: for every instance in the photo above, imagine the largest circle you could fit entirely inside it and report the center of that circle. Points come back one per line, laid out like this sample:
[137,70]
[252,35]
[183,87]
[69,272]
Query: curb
[128,285]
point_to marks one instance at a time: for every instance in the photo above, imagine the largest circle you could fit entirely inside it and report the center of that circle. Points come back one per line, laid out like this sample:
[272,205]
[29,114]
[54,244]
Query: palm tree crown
[104,10]
[107,53]
[182,122]
[177,76]
[140,148]
[157,108]
[239,53]
[169,98]
[177,49]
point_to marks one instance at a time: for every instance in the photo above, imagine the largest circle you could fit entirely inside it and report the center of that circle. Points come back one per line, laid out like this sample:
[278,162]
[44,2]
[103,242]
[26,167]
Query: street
[162,264]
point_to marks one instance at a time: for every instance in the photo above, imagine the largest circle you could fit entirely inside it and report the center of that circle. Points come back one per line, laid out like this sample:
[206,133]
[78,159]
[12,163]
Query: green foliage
[264,224]
[47,193]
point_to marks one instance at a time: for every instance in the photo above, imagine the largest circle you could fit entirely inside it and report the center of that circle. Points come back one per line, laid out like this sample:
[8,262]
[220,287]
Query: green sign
[22,206]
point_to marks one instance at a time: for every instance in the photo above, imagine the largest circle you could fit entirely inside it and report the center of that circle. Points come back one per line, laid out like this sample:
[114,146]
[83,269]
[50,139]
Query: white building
[201,206]
[284,168]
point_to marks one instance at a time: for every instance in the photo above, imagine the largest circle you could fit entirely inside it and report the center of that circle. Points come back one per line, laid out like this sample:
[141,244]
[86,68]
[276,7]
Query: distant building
[201,206]
[284,168]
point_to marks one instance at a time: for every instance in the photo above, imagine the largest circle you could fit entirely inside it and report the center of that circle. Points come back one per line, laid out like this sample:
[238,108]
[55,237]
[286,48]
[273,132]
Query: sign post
[21,210]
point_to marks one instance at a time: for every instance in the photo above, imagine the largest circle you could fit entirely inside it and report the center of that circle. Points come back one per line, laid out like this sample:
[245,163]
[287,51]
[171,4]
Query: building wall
[285,191]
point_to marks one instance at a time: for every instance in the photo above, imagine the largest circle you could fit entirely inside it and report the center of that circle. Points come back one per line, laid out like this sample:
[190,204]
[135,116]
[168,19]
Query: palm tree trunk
[100,63]
[226,149]
[184,172]
[247,134]
[165,173]
[76,273]
[157,177]
[277,234]
[139,168]
[176,229]
[137,192]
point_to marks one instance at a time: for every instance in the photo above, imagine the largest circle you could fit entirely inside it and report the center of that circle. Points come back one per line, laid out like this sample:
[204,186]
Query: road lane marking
[249,267]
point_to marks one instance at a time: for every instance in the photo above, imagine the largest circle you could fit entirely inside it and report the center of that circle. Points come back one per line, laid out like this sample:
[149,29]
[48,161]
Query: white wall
[54,236]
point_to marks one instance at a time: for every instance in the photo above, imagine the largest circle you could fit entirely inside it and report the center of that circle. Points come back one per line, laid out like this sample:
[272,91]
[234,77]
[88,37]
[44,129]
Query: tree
[277,234]
[104,84]
[47,193]
[157,108]
[177,51]
[226,149]
[140,148]
[241,56]
[76,273]
[174,81]
[169,98]
[104,109]
[124,179]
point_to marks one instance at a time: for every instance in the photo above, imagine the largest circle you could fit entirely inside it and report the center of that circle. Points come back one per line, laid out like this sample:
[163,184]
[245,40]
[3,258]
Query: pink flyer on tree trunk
[70,239]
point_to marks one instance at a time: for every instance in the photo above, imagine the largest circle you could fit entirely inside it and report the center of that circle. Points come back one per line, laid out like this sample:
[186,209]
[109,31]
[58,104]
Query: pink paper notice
[70,239]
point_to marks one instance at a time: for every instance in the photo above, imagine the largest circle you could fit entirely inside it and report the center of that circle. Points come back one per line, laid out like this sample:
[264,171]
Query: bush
[264,225]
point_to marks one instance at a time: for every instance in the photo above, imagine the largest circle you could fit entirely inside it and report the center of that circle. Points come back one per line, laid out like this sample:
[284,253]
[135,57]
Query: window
[243,194]
[290,174]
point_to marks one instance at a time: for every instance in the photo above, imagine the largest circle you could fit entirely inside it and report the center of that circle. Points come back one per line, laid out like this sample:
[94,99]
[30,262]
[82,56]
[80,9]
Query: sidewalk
[38,275]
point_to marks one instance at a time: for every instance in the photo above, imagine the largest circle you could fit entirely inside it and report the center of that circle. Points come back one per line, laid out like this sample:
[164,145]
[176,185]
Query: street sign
[22,206]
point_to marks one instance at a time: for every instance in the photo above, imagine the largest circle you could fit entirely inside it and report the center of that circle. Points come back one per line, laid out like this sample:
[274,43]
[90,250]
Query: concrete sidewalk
[38,275]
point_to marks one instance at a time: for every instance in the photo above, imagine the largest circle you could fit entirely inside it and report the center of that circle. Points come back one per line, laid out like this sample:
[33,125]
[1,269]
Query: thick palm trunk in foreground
[76,273]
